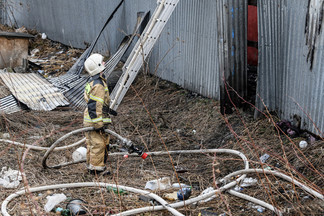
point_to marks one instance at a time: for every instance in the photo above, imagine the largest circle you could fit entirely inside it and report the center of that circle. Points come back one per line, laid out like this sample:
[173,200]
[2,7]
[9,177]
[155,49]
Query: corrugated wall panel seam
[232,33]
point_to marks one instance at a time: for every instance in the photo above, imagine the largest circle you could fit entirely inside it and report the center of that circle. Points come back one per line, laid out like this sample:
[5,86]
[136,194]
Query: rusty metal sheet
[34,91]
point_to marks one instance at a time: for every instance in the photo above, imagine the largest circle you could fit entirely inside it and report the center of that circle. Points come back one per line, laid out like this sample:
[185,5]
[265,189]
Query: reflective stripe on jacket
[96,95]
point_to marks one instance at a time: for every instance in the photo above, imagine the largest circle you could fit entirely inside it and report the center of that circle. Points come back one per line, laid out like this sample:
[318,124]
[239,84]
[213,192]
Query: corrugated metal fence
[204,40]
[291,53]
[73,22]
[186,53]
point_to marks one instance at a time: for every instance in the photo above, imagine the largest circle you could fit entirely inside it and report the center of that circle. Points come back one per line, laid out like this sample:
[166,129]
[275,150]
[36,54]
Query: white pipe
[86,184]
[196,199]
[40,148]
[52,147]
[279,174]
[257,201]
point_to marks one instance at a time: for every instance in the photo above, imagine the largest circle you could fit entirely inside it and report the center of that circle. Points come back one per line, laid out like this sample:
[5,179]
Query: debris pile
[52,59]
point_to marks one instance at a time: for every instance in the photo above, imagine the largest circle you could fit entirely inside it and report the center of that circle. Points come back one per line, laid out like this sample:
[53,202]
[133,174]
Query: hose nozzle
[139,150]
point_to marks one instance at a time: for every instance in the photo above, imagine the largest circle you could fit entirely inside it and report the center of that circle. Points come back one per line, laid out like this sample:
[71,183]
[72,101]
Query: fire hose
[126,142]
[164,204]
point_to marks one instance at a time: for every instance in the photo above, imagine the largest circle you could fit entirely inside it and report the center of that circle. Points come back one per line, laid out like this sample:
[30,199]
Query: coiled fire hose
[126,142]
[164,204]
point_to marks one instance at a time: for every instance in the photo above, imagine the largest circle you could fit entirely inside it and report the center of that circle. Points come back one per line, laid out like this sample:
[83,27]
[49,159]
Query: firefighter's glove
[112,112]
[106,109]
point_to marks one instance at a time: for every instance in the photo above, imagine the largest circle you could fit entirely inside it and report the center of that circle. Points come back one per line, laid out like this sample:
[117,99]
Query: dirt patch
[161,116]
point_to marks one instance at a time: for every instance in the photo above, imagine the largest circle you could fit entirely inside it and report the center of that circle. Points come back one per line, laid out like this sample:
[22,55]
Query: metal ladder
[142,49]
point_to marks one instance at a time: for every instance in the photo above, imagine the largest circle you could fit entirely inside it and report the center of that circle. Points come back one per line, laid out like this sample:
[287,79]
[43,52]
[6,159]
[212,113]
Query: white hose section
[257,201]
[40,148]
[87,184]
[52,147]
[278,174]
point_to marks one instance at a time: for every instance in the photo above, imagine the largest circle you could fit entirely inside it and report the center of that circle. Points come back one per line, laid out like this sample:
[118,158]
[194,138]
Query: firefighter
[96,95]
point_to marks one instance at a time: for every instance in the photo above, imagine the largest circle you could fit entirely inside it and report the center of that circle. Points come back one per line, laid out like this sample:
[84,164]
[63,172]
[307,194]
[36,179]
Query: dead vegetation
[161,116]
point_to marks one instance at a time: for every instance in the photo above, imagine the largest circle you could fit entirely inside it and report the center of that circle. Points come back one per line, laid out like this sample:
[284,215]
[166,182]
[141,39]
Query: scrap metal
[34,91]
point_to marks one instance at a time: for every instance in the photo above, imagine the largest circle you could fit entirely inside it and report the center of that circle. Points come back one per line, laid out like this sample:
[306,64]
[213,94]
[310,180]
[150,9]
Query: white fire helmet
[94,64]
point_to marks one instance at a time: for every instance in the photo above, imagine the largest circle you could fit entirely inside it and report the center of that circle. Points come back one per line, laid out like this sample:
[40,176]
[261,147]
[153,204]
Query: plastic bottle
[184,193]
[115,190]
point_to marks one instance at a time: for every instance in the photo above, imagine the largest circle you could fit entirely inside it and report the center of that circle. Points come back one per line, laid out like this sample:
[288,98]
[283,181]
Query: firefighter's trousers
[97,142]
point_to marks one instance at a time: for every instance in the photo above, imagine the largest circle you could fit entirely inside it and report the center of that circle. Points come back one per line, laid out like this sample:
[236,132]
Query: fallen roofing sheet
[34,91]
[9,105]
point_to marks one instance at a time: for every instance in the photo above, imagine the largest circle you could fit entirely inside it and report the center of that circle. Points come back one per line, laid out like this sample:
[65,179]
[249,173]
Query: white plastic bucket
[79,154]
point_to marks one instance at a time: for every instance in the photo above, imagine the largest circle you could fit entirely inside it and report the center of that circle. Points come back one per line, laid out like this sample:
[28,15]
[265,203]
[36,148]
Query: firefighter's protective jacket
[97,98]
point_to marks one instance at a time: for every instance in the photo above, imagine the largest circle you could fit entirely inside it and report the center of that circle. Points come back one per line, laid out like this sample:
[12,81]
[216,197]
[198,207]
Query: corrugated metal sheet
[9,105]
[232,51]
[186,52]
[34,91]
[291,53]
[73,22]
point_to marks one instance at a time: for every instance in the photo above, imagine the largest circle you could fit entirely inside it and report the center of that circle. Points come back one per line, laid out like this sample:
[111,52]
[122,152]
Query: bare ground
[161,116]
